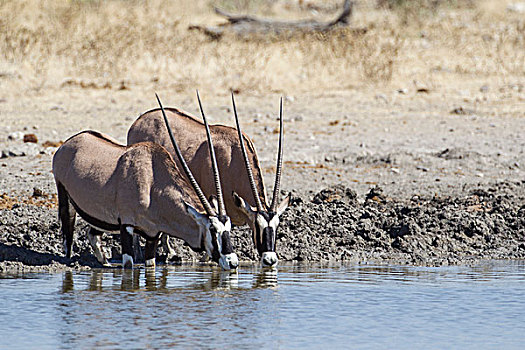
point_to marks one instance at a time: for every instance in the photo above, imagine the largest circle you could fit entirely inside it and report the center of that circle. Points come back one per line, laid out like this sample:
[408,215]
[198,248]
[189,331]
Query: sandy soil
[375,174]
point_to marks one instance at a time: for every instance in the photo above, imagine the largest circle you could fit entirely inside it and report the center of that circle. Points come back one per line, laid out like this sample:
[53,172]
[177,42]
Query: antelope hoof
[127,261]
[269,259]
[150,262]
[103,261]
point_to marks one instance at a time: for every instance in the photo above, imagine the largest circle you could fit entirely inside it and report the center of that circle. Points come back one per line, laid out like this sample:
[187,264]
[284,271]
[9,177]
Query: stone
[31,138]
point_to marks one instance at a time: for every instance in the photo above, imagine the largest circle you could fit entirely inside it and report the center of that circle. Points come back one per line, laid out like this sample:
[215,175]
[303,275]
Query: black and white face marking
[265,236]
[218,243]
[215,233]
[264,225]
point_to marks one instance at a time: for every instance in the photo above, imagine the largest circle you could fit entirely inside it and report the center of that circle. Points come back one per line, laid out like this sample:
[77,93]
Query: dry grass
[116,44]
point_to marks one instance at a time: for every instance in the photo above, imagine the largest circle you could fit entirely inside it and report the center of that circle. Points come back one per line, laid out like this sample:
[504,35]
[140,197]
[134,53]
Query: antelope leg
[96,244]
[67,215]
[137,251]
[170,252]
[150,250]
[126,240]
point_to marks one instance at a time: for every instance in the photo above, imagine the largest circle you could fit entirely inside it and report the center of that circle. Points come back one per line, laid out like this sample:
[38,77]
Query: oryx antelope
[242,181]
[138,188]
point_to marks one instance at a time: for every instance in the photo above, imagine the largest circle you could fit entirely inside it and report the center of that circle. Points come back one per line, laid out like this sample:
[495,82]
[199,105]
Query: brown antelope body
[242,180]
[138,188]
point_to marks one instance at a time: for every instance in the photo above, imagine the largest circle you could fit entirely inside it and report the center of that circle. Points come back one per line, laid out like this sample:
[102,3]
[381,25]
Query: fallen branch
[243,25]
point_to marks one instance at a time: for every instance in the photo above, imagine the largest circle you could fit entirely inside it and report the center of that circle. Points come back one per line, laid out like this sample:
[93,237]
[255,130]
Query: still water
[304,307]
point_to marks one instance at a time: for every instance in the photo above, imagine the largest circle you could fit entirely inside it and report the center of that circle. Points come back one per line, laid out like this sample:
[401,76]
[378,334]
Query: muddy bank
[482,222]
[333,225]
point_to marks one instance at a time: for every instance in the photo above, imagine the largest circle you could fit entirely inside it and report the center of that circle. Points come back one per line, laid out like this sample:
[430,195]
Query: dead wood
[244,24]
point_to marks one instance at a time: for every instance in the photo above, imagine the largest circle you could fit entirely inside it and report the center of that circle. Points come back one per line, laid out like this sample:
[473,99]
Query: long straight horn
[220,199]
[207,207]
[246,160]
[279,161]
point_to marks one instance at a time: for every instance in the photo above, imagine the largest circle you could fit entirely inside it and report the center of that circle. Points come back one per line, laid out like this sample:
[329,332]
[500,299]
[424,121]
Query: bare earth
[404,131]
[442,187]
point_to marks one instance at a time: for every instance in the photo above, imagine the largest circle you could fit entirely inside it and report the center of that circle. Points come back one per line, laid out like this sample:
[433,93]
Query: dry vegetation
[117,44]
[45,200]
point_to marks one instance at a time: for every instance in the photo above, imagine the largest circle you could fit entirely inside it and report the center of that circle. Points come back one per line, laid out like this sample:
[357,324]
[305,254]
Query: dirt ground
[423,172]
[372,179]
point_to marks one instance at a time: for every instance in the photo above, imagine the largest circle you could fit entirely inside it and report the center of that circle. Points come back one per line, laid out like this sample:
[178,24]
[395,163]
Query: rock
[37,192]
[30,138]
[456,153]
[52,144]
[421,87]
[16,136]
[338,193]
[399,231]
[462,111]
[517,7]
[26,149]
[57,108]
[376,194]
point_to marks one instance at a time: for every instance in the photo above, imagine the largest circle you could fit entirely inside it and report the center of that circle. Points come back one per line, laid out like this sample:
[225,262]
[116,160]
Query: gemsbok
[245,192]
[138,188]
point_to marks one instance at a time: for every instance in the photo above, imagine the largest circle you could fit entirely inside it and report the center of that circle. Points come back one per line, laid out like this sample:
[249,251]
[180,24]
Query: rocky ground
[375,175]
[487,222]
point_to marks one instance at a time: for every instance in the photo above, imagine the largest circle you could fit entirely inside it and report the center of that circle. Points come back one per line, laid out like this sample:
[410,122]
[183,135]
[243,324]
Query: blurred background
[121,44]
[420,96]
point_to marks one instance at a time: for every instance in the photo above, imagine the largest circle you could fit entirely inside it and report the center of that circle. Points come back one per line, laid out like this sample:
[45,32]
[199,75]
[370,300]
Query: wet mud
[331,226]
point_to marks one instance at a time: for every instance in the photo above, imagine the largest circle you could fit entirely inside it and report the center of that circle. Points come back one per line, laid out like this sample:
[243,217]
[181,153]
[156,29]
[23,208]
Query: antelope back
[114,183]
[191,137]
[85,165]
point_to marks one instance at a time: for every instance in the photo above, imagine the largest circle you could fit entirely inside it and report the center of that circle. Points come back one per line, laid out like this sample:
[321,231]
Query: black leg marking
[126,240]
[67,215]
[149,253]
[138,255]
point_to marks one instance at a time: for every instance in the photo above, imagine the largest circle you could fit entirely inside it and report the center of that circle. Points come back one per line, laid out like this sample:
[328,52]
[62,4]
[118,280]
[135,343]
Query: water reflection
[130,279]
[156,279]
[293,307]
[219,280]
[267,278]
[151,279]
[95,280]
[67,282]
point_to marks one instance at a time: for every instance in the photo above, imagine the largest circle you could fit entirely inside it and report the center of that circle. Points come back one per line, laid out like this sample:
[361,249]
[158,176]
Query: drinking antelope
[244,187]
[138,188]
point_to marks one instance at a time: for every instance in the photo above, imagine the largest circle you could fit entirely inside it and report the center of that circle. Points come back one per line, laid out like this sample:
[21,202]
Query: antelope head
[214,225]
[263,218]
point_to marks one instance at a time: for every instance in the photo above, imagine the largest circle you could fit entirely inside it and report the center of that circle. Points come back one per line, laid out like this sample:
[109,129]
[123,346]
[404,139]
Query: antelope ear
[284,204]
[242,204]
[199,218]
